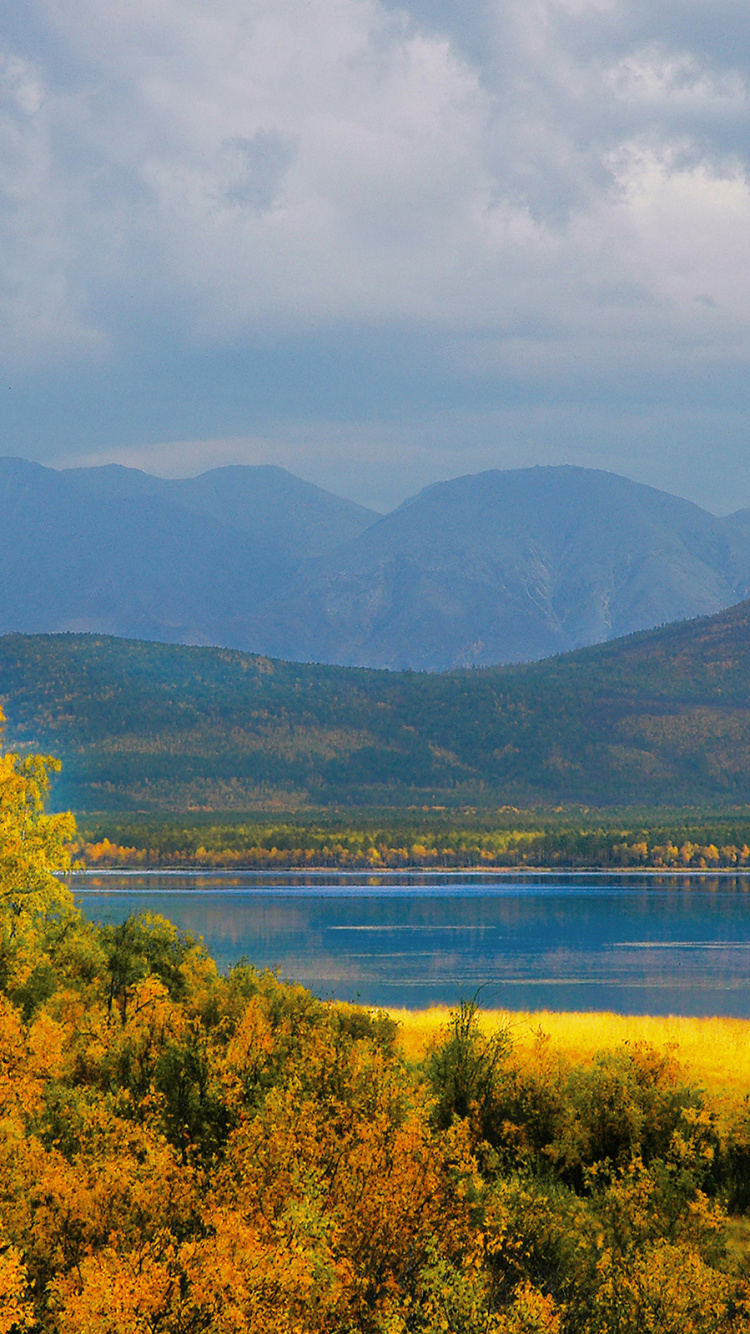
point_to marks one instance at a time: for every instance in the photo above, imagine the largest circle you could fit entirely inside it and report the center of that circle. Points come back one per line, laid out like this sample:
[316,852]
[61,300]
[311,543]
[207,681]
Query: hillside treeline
[184,1152]
[512,839]
[660,719]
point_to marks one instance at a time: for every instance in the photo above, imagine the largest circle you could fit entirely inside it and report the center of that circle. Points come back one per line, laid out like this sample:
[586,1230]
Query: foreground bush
[185,1153]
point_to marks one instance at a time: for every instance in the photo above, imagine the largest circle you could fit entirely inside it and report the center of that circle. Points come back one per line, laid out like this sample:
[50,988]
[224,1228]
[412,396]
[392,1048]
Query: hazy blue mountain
[497,567]
[510,566]
[114,550]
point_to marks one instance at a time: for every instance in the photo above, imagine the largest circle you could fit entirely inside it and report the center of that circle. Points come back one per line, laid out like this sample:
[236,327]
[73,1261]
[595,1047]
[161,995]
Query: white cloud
[275,164]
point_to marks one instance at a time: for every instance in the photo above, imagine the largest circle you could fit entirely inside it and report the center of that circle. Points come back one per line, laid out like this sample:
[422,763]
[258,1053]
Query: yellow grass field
[714,1053]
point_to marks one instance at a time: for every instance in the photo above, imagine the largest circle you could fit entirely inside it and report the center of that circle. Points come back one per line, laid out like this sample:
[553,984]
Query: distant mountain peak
[492,567]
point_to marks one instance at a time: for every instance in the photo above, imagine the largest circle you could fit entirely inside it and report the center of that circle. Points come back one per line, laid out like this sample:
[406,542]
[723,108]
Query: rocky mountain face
[507,567]
[496,567]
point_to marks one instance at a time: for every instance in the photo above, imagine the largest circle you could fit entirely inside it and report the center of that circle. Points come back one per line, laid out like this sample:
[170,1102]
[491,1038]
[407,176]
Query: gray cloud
[553,193]
[257,172]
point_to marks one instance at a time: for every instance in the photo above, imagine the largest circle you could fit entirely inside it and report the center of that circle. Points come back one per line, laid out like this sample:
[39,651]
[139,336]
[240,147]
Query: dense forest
[658,718]
[669,840]
[189,1153]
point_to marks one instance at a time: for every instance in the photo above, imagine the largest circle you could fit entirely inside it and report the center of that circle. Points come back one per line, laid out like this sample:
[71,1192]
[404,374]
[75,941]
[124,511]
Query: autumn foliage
[188,1153]
[504,838]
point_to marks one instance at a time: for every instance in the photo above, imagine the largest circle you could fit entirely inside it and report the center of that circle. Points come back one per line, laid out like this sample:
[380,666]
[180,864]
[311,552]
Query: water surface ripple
[633,943]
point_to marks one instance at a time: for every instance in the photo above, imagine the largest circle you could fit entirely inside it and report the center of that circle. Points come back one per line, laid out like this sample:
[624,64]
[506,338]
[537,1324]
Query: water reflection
[643,943]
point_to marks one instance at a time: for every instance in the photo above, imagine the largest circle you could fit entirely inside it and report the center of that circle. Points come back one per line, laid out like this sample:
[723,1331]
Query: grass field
[714,1053]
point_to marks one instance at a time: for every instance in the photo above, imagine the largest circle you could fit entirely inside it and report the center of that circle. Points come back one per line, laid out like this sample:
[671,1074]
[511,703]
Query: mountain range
[492,568]
[115,550]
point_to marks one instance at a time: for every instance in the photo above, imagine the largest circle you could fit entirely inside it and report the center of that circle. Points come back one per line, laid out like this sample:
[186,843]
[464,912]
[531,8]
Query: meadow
[714,1053]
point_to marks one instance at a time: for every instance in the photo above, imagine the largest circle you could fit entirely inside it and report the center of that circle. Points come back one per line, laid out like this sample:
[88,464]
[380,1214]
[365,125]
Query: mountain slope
[509,566]
[662,717]
[112,549]
[495,568]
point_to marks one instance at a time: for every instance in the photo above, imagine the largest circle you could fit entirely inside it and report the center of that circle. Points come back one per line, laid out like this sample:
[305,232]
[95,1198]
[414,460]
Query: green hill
[660,717]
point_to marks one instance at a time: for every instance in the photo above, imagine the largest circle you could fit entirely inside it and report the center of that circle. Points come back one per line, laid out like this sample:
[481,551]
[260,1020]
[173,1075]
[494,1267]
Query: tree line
[436,840]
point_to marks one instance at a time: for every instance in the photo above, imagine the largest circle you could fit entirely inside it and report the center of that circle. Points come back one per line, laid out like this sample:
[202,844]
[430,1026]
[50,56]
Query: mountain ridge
[509,566]
[119,551]
[493,567]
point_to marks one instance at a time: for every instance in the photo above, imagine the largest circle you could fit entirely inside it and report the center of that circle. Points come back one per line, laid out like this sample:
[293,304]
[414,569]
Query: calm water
[635,944]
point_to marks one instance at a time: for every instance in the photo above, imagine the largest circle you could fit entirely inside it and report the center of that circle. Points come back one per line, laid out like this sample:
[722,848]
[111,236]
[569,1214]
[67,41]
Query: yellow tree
[32,848]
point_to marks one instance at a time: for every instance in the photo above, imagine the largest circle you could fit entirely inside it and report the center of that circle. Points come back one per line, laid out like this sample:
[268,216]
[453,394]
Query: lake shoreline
[628,872]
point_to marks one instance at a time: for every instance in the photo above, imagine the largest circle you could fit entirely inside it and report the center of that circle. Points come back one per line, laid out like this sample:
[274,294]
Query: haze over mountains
[492,568]
[507,567]
[115,550]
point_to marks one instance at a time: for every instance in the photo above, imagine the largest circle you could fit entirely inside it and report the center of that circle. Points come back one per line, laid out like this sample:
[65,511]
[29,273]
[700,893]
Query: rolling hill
[661,717]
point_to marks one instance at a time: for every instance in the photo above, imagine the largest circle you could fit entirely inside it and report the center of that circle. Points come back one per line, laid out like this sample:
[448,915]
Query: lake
[635,943]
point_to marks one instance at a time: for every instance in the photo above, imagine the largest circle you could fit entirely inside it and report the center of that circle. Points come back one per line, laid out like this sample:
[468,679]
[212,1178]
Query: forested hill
[658,717]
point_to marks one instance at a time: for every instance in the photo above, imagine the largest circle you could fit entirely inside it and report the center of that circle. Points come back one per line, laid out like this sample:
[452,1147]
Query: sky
[378,244]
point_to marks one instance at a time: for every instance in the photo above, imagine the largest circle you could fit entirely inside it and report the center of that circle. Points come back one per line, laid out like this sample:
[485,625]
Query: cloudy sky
[379,243]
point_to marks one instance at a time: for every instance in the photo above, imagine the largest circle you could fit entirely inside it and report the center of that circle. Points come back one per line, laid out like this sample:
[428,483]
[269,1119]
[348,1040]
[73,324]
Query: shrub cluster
[188,1153]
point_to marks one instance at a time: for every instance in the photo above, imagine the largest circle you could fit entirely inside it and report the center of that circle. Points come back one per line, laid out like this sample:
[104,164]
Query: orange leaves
[249,1053]
[32,846]
[248,1276]
[668,1289]
[340,1173]
[16,1311]
[114,1293]
[45,1046]
[331,1200]
[531,1312]
[110,854]
[27,1059]
[15,1088]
